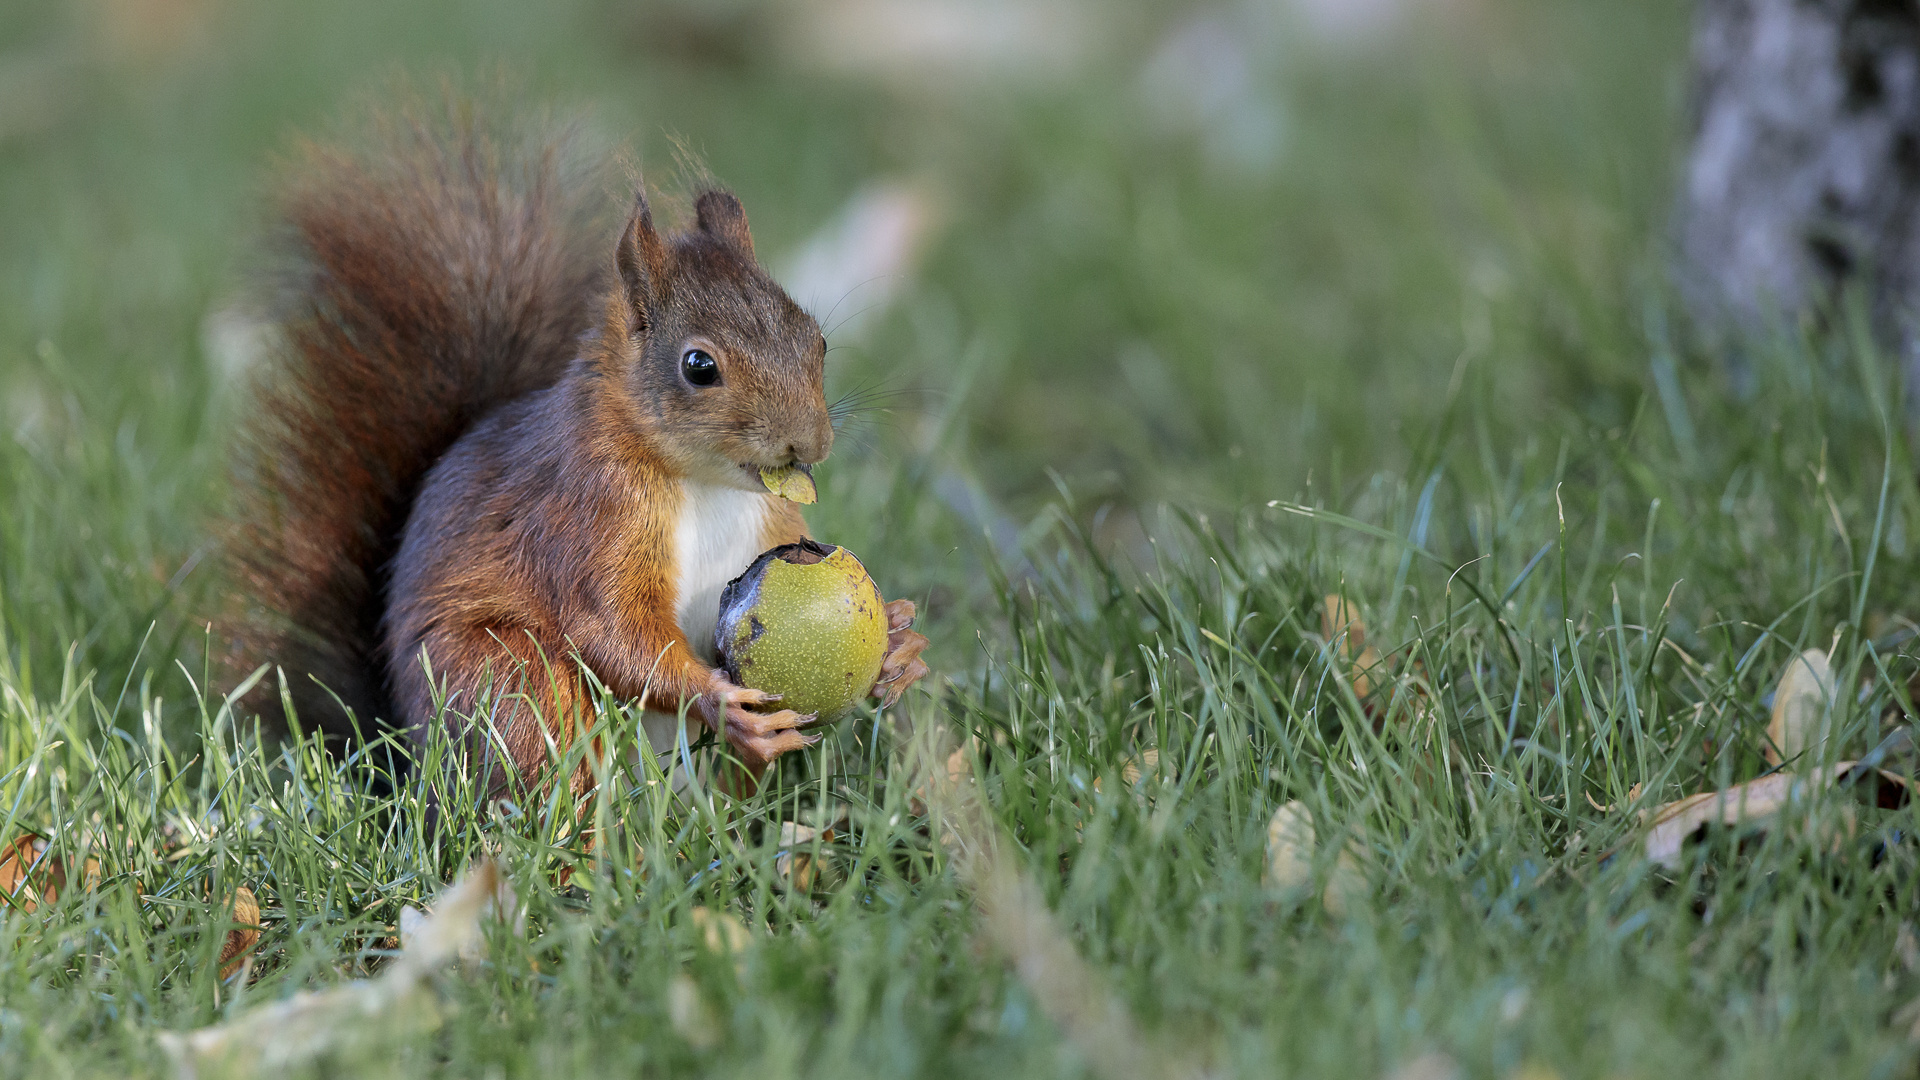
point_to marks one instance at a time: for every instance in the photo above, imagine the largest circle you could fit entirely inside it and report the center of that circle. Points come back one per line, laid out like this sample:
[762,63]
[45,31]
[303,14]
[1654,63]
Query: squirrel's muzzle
[812,442]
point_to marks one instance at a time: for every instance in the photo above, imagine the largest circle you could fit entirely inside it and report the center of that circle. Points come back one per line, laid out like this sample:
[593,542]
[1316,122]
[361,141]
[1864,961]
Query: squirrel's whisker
[827,319]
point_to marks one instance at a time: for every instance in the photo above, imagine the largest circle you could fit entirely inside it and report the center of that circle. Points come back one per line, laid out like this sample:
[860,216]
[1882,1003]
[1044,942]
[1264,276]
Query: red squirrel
[485,442]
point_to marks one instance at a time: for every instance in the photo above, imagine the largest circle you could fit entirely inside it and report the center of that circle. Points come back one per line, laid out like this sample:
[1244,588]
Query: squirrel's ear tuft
[642,260]
[722,217]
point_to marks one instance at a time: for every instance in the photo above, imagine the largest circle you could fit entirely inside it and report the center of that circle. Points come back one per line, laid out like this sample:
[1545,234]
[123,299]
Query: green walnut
[805,622]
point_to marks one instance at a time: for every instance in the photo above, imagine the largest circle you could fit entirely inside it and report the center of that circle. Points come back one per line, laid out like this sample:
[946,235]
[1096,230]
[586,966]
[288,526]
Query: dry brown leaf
[26,858]
[30,877]
[688,1012]
[246,916]
[721,931]
[1365,669]
[1290,847]
[1290,852]
[795,863]
[1751,803]
[1340,624]
[1347,884]
[411,919]
[1016,923]
[1632,794]
[296,1031]
[959,769]
[1673,823]
[1133,768]
[959,765]
[1800,708]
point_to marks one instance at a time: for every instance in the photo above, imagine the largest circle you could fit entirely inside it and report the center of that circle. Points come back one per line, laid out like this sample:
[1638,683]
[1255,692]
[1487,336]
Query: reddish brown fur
[439,275]
[552,520]
[427,422]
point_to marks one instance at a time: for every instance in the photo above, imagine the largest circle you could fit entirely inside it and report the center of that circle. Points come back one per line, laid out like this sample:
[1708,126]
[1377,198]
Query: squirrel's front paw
[903,666]
[757,737]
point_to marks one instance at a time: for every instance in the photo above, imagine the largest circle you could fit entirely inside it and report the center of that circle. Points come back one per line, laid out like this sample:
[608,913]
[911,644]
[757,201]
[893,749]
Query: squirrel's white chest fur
[719,534]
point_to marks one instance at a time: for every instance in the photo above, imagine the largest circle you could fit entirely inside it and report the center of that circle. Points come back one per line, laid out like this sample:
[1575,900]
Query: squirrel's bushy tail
[435,271]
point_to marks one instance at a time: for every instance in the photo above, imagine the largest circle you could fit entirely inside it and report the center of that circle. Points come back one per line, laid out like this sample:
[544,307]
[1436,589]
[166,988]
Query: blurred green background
[1211,253]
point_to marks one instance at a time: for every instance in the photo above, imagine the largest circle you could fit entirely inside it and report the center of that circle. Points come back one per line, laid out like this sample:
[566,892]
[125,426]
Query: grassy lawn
[1222,316]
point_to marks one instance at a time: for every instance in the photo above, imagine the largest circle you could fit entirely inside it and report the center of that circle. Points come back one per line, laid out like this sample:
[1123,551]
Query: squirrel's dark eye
[699,368]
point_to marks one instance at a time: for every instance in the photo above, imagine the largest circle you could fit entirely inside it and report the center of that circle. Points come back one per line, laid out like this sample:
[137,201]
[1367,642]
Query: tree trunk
[1804,174]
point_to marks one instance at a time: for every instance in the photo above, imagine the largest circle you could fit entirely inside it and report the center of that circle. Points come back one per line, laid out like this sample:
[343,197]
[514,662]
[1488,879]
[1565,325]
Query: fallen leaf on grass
[1340,624]
[1290,852]
[795,863]
[1750,804]
[411,919]
[296,1031]
[959,765]
[1375,683]
[1016,923]
[959,769]
[1800,708]
[30,875]
[1633,793]
[246,931]
[692,1018]
[1132,769]
[1290,847]
[1347,883]
[721,931]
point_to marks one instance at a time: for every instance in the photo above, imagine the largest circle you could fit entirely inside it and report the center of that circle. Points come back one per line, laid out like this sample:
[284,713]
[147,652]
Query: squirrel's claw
[900,615]
[890,687]
[903,666]
[730,694]
[757,737]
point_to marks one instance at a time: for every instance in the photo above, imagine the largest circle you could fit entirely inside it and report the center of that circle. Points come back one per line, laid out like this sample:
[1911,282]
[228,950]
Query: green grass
[1437,326]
